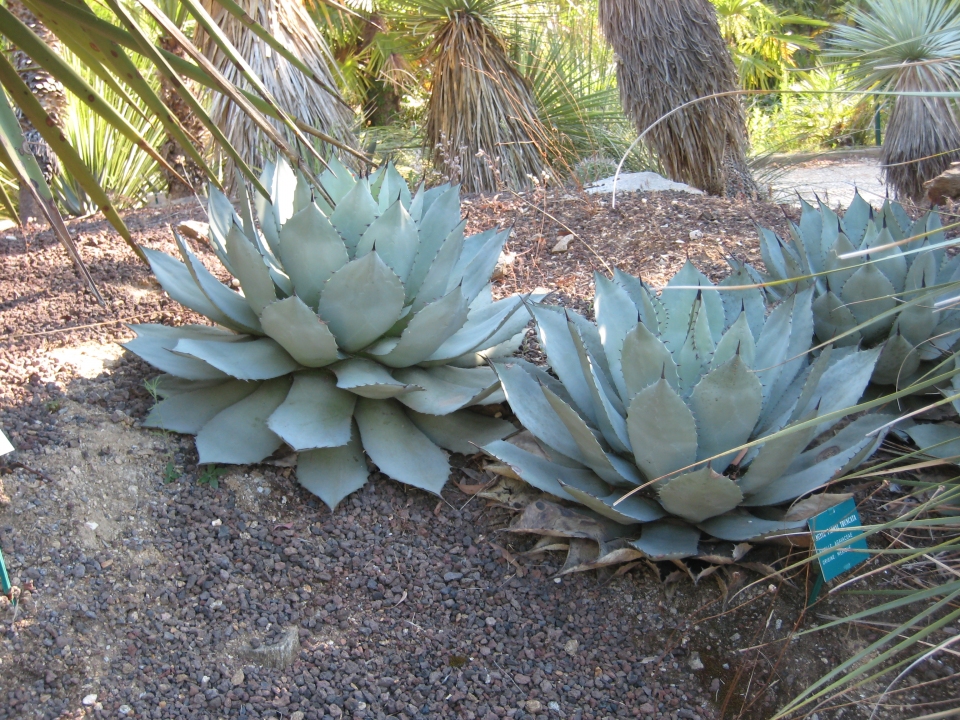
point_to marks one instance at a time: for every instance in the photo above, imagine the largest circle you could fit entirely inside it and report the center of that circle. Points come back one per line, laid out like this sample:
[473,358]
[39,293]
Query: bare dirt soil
[151,587]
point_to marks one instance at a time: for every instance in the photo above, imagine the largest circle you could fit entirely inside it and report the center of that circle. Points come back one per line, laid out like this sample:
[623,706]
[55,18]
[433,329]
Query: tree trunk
[52,97]
[171,150]
[670,52]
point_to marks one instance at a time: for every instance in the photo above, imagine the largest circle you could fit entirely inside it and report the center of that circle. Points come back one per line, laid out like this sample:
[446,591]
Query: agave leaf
[607,407]
[830,232]
[169,385]
[303,195]
[593,453]
[245,359]
[395,237]
[462,431]
[155,342]
[801,336]
[392,189]
[231,304]
[179,284]
[616,315]
[537,471]
[648,305]
[694,355]
[425,333]
[772,254]
[283,190]
[812,382]
[922,272]
[188,411]
[774,457]
[917,322]
[529,403]
[698,495]
[840,270]
[481,326]
[831,318]
[891,261]
[477,272]
[737,340]
[726,405]
[772,345]
[369,379]
[354,214]
[679,302]
[442,216]
[945,436]
[842,384]
[333,473]
[431,195]
[442,393]
[644,360]
[748,301]
[557,344]
[361,301]
[900,217]
[223,218]
[855,219]
[898,361]
[663,432]
[250,270]
[416,204]
[300,332]
[866,294]
[336,179]
[311,251]
[597,496]
[740,526]
[399,449]
[316,413]
[817,466]
[667,540]
[441,273]
[810,232]
[239,434]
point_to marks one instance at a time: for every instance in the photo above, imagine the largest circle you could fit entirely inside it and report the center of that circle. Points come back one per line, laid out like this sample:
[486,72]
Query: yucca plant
[854,290]
[363,327]
[664,391]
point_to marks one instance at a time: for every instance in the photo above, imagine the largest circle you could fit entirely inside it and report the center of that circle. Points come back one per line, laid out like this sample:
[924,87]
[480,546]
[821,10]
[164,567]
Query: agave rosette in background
[362,327]
[856,290]
[661,384]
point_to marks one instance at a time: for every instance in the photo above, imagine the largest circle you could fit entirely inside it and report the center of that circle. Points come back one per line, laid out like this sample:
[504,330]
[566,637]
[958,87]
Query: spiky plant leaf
[187,412]
[333,473]
[315,414]
[667,540]
[300,332]
[311,250]
[698,495]
[244,359]
[663,431]
[239,434]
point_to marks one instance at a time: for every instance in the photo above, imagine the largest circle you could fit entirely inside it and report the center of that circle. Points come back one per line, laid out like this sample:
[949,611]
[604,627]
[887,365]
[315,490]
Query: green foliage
[363,327]
[171,473]
[670,400]
[210,476]
[888,296]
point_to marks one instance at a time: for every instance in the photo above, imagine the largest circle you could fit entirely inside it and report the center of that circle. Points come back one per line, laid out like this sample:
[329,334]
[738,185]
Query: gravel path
[834,181]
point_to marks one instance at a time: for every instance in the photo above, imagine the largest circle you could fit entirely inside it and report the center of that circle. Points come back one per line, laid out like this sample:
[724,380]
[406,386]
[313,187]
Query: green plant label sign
[831,528]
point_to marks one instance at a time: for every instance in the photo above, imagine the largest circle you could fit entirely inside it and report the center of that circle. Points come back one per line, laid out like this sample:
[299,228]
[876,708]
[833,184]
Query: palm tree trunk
[670,52]
[52,97]
[171,150]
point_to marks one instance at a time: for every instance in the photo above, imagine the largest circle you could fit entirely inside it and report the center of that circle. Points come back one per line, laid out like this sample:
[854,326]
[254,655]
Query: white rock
[572,646]
[695,663]
[563,244]
[696,234]
[640,182]
[89,699]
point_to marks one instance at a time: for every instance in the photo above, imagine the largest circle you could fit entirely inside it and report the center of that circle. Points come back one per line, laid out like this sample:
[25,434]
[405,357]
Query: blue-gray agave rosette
[660,384]
[855,290]
[362,327]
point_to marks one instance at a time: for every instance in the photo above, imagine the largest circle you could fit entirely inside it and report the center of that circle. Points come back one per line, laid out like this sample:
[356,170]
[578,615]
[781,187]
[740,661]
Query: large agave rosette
[666,388]
[359,327]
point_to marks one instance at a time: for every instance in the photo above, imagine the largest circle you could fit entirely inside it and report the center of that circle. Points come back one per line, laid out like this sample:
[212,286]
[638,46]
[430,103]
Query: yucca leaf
[7,202]
[355,212]
[245,359]
[34,112]
[333,473]
[300,332]
[315,414]
[425,333]
[462,431]
[698,495]
[46,58]
[154,343]
[663,431]
[399,449]
[189,411]
[239,435]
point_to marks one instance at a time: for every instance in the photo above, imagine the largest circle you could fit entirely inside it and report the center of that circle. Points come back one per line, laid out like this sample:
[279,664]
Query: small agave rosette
[666,388]
[362,327]
[884,297]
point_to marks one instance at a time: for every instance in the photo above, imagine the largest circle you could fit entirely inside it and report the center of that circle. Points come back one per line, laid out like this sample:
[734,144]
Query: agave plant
[664,390]
[855,290]
[360,327]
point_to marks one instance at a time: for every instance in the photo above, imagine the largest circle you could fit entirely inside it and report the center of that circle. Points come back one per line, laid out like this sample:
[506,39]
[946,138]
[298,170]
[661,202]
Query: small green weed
[170,473]
[53,406]
[211,476]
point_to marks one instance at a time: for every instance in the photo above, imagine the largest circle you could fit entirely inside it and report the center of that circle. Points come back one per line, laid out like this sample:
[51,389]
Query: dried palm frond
[670,52]
[908,46]
[298,95]
[482,126]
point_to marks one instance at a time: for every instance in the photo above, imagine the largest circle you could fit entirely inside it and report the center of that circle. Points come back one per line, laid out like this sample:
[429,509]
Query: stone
[237,678]
[534,706]
[695,663]
[571,646]
[90,699]
[195,230]
[563,244]
[521,679]
[696,234]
